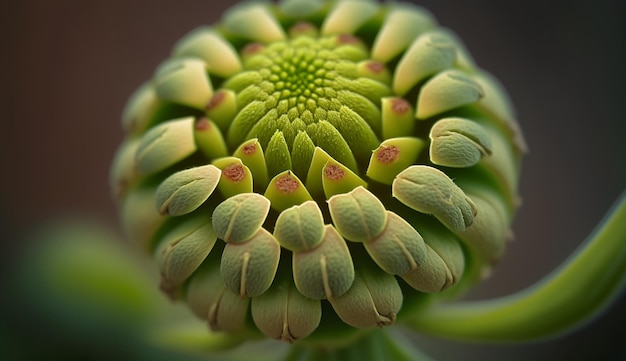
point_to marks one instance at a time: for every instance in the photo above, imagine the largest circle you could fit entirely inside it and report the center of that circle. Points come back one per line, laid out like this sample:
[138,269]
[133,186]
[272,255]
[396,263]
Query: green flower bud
[184,191]
[182,250]
[350,154]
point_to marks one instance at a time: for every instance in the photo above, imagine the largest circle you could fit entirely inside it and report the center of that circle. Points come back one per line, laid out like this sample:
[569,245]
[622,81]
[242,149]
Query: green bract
[305,163]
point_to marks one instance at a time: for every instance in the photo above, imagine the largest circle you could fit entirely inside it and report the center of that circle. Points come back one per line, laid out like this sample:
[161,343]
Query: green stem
[378,345]
[574,293]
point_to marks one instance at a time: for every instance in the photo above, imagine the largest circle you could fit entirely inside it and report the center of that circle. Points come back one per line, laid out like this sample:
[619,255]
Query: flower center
[310,92]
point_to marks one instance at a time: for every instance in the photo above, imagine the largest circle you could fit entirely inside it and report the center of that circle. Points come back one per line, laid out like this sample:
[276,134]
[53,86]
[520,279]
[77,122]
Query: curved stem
[574,293]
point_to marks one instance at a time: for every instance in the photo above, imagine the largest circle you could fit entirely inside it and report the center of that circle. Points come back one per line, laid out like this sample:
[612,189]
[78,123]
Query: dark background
[68,67]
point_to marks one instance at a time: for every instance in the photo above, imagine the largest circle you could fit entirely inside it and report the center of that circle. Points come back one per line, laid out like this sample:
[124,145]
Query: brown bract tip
[375,66]
[216,99]
[252,48]
[348,39]
[234,172]
[334,172]
[387,154]
[287,184]
[400,106]
[249,149]
[203,124]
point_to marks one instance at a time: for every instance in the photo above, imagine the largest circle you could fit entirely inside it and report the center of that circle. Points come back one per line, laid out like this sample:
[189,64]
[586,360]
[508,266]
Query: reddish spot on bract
[234,172]
[375,66]
[302,27]
[216,100]
[334,172]
[348,39]
[203,124]
[400,106]
[249,149]
[251,48]
[387,154]
[287,184]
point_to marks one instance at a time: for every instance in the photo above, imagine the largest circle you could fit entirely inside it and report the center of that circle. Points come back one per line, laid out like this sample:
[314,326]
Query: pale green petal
[248,268]
[277,155]
[182,250]
[184,191]
[398,117]
[123,174]
[140,219]
[446,91]
[222,108]
[140,109]
[166,144]
[429,54]
[239,217]
[429,190]
[301,227]
[209,299]
[374,299]
[184,82]
[458,142]
[359,216]
[326,271]
[251,154]
[337,179]
[253,21]
[207,44]
[402,25]
[399,248]
[347,16]
[283,313]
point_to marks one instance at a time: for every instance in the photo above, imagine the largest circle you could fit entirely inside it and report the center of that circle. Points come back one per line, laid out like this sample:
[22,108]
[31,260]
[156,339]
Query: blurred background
[69,66]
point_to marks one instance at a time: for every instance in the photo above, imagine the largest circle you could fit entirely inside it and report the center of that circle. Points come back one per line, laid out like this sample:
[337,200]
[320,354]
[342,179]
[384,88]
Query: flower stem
[378,345]
[574,293]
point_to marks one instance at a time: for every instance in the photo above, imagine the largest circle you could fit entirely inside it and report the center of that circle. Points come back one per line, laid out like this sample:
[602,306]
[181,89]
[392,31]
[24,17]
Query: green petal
[359,215]
[365,109]
[123,174]
[574,293]
[402,25]
[139,109]
[222,108]
[337,179]
[446,91]
[207,44]
[374,299]
[430,191]
[209,139]
[209,299]
[286,190]
[185,82]
[248,268]
[283,313]
[182,250]
[253,21]
[239,217]
[300,228]
[251,154]
[300,8]
[458,142]
[398,117]
[347,16]
[356,132]
[432,275]
[140,219]
[429,54]
[236,177]
[374,70]
[326,271]
[399,248]
[184,191]
[392,157]
[166,144]
[244,121]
